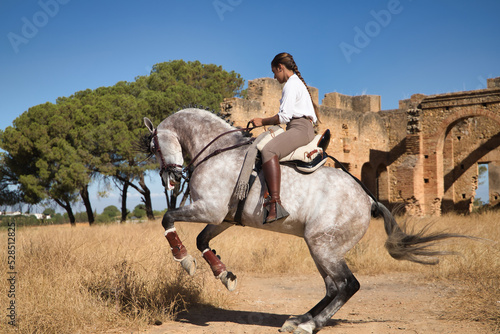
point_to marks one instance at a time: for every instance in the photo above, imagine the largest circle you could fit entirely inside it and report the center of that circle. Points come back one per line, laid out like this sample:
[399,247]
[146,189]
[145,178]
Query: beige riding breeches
[299,132]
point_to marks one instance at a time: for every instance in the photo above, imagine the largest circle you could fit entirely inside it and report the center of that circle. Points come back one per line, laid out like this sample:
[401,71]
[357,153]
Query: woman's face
[279,73]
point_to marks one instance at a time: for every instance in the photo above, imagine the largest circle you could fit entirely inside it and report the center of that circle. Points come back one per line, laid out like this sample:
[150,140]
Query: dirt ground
[395,303]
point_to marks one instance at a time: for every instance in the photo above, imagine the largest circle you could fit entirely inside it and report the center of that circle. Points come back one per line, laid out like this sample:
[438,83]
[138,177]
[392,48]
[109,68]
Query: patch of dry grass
[94,279]
[477,270]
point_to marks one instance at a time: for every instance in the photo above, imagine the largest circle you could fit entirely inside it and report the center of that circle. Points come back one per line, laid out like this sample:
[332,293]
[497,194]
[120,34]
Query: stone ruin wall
[466,128]
[393,151]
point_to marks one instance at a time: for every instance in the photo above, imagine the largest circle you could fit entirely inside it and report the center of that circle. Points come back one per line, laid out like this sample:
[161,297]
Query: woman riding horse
[299,112]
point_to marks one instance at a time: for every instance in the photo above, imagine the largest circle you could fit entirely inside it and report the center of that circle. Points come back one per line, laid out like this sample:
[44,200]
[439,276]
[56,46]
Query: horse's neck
[195,137]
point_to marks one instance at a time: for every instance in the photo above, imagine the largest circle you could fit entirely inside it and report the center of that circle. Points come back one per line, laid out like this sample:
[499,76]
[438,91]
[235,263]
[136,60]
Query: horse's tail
[404,245]
[401,244]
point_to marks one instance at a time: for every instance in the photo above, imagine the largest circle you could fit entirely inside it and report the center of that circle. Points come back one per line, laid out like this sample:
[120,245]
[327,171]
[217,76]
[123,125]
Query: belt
[310,120]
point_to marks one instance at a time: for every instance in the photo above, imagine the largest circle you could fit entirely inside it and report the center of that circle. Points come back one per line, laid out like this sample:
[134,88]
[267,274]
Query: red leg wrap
[178,249]
[217,266]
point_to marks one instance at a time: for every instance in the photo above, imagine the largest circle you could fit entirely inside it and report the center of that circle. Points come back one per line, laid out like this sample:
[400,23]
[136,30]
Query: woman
[299,113]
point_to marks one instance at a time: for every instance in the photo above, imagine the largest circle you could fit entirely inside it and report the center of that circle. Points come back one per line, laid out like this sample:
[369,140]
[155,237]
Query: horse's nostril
[175,177]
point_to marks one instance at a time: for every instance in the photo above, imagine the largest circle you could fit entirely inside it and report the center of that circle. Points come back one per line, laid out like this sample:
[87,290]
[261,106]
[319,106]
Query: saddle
[306,159]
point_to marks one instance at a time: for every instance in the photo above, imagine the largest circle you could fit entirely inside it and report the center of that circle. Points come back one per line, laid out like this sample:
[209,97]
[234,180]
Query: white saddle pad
[305,153]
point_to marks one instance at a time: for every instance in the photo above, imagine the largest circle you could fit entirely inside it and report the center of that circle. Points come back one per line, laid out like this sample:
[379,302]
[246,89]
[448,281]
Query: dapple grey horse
[328,208]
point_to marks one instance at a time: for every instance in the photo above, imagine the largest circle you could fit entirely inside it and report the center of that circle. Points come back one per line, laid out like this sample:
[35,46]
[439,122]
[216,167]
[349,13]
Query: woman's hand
[257,121]
[273,120]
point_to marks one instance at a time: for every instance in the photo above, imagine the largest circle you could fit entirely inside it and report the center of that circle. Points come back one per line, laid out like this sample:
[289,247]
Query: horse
[328,208]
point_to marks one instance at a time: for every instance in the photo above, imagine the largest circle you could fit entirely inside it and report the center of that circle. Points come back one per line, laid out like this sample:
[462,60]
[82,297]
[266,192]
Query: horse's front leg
[195,212]
[218,268]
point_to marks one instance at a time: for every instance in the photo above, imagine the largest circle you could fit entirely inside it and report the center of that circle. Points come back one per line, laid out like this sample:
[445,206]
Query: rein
[248,129]
[191,167]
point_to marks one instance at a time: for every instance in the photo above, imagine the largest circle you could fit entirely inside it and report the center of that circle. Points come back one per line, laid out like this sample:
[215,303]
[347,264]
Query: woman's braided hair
[287,60]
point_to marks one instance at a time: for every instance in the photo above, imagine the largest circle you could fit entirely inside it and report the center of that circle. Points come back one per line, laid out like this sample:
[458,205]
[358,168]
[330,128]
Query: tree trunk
[124,201]
[71,216]
[172,198]
[182,188]
[84,193]
[67,206]
[146,193]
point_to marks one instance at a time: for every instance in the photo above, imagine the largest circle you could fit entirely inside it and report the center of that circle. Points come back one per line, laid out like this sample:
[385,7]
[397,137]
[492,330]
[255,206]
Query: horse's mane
[205,115]
[208,115]
[143,145]
[224,116]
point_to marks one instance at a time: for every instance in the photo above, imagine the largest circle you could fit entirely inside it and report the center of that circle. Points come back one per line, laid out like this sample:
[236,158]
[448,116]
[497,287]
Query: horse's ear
[149,124]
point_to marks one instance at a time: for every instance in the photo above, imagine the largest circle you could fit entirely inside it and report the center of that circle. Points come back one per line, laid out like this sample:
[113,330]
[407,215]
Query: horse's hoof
[289,326]
[305,328]
[229,280]
[189,265]
[301,331]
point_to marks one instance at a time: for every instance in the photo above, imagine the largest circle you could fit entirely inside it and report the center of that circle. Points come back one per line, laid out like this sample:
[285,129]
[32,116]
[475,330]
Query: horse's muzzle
[171,176]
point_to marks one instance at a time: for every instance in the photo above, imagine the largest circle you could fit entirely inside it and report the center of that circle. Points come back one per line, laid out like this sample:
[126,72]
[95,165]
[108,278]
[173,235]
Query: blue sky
[391,48]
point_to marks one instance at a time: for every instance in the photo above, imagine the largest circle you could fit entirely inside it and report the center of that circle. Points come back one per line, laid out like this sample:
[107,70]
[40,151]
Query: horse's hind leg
[331,291]
[346,285]
[218,268]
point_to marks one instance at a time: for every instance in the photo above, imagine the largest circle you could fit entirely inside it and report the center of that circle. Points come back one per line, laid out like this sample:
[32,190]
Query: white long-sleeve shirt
[295,101]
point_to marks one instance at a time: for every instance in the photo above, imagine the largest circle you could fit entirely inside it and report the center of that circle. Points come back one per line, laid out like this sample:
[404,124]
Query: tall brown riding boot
[272,174]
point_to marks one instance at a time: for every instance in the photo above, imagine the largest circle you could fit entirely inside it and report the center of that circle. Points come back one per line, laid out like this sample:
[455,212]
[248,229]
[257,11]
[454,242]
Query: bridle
[180,171]
[164,167]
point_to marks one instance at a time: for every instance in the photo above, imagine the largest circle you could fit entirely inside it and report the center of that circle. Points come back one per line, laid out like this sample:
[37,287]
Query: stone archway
[455,175]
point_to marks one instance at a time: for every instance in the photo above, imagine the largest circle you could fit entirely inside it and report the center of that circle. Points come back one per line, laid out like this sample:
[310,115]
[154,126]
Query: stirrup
[281,213]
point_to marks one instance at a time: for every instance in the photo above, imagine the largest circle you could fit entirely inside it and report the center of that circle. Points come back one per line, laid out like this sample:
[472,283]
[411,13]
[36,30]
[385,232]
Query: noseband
[174,168]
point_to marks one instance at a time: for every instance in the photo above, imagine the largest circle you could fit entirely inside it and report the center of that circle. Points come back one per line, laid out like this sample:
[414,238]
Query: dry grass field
[109,278]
